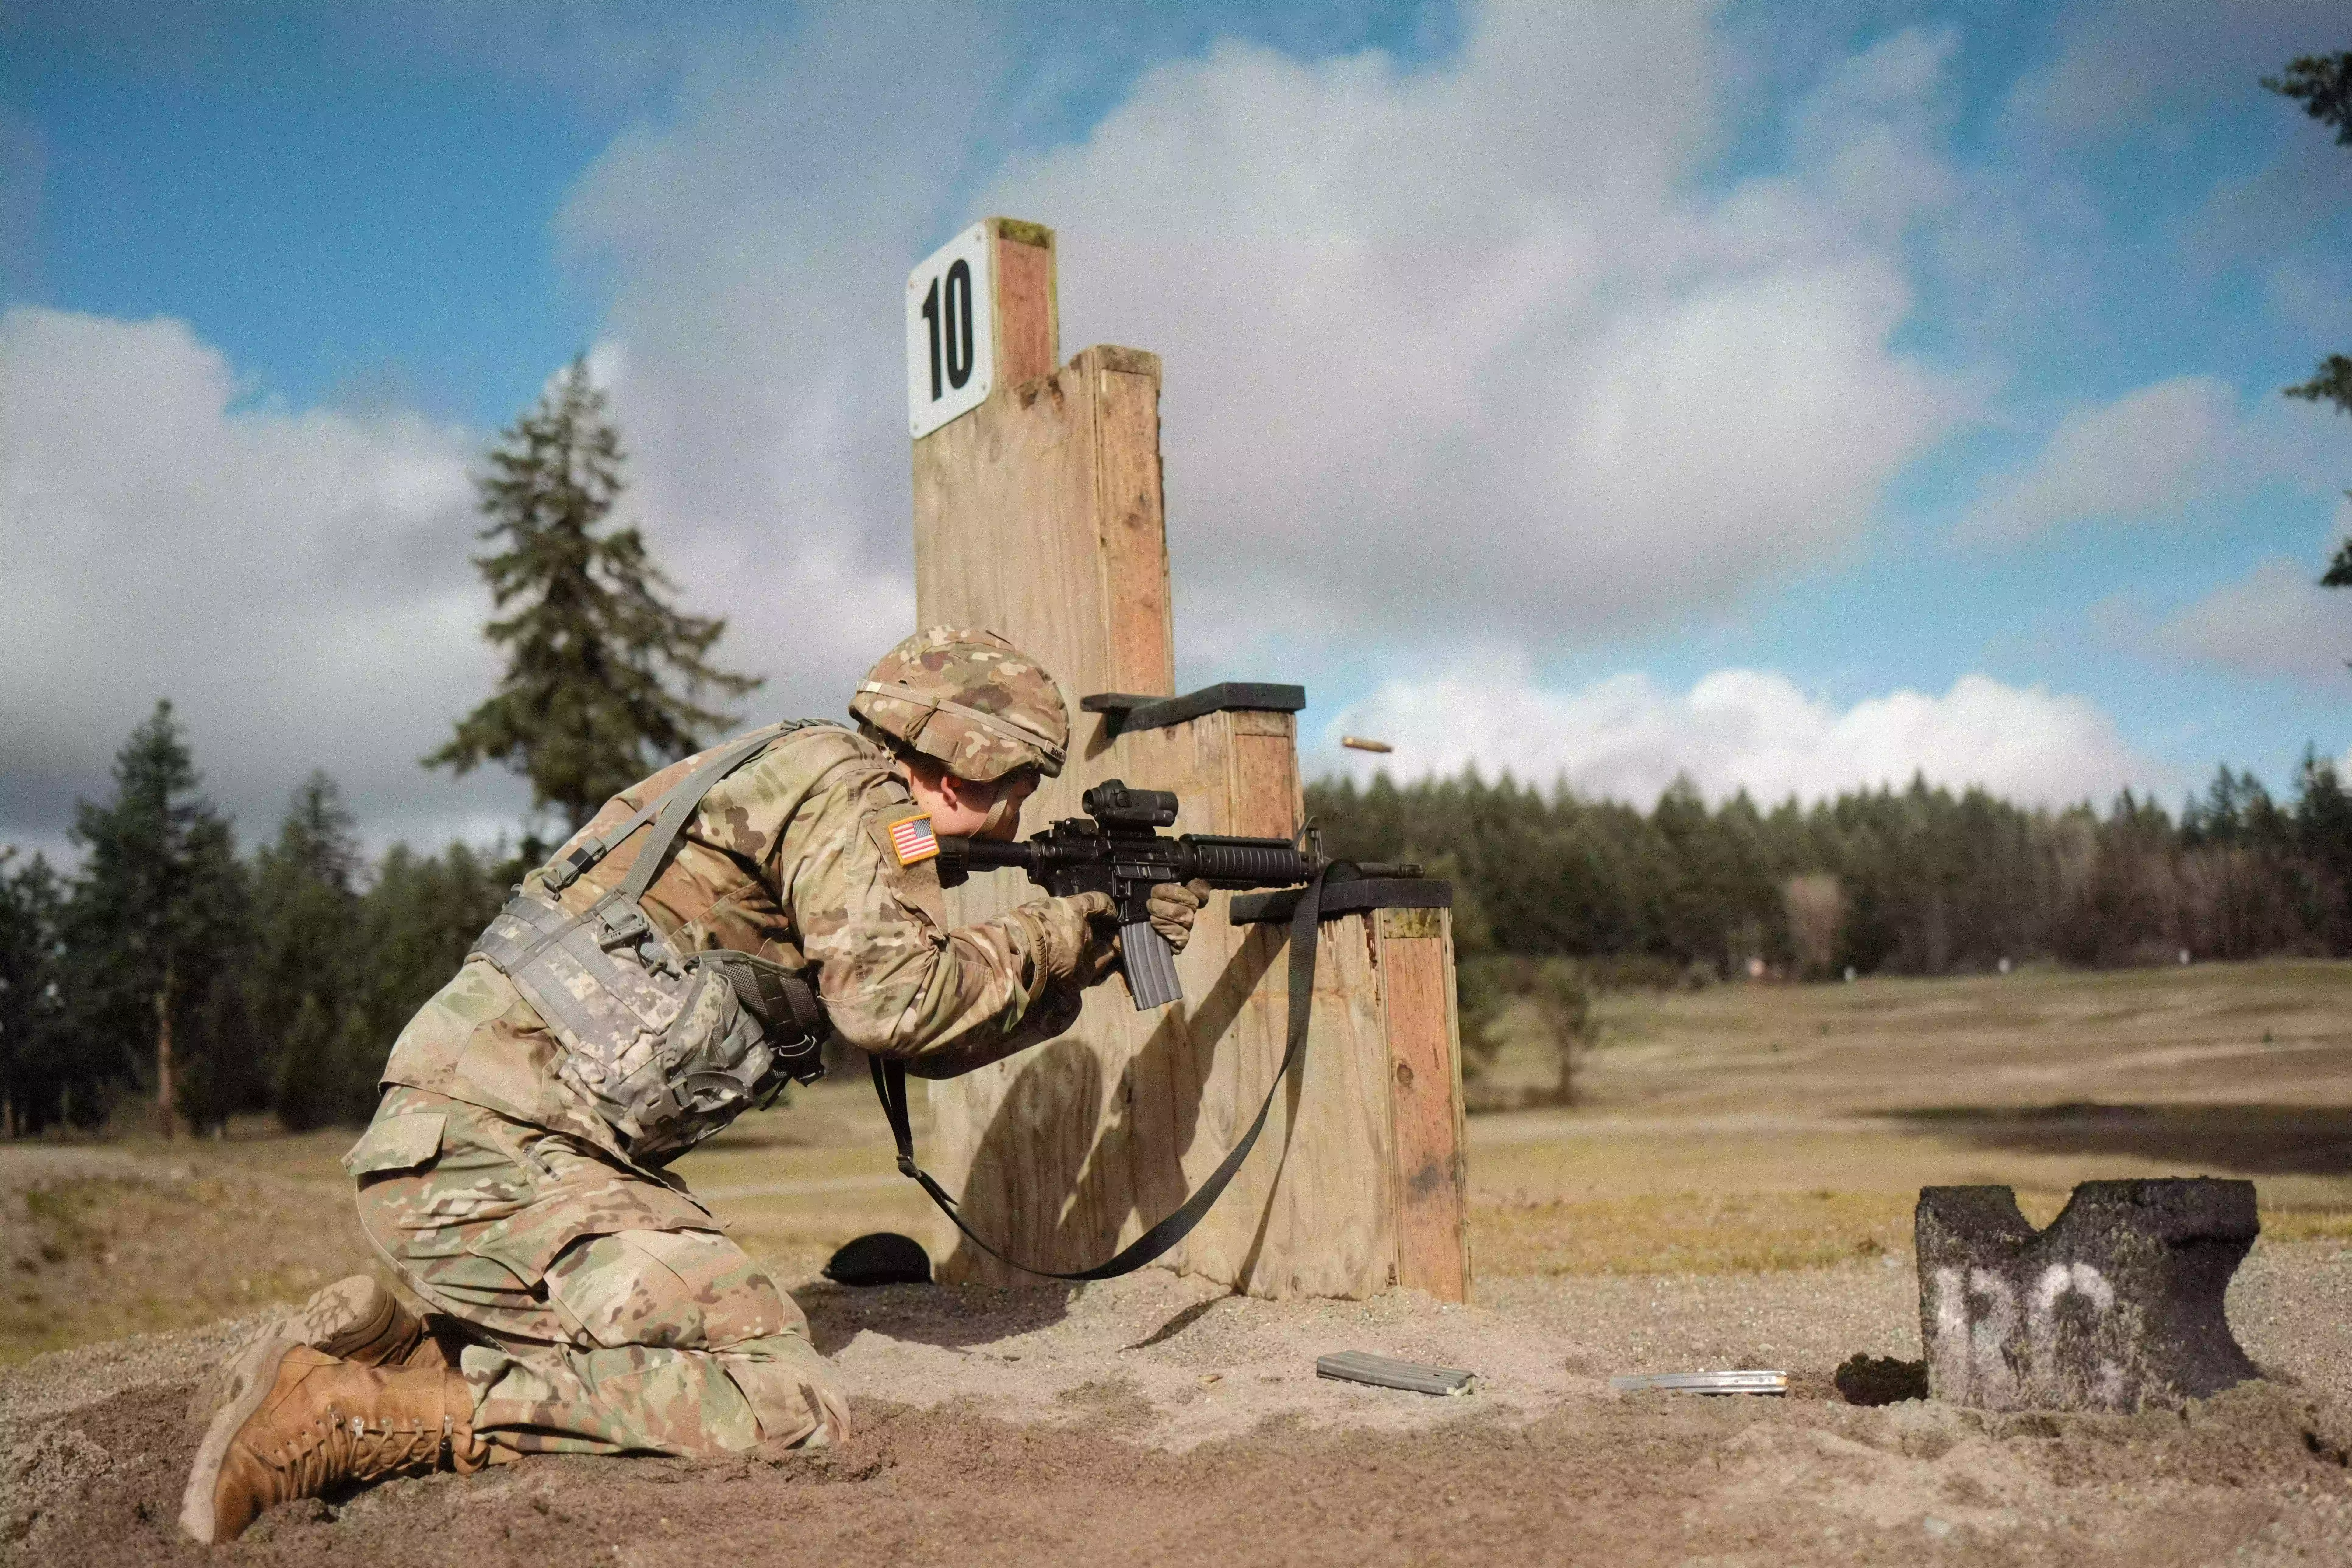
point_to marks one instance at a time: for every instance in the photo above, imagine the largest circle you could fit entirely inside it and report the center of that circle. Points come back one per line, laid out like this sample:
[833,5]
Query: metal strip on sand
[1743,1382]
[1380,1371]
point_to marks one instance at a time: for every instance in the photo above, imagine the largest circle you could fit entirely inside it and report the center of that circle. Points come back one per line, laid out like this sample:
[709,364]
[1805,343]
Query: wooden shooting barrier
[1039,514]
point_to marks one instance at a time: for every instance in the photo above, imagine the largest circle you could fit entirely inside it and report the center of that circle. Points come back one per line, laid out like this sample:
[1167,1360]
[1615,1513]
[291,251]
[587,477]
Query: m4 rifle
[1117,848]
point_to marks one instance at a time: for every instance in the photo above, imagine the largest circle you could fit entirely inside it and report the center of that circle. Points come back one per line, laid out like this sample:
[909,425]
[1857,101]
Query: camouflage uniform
[601,1308]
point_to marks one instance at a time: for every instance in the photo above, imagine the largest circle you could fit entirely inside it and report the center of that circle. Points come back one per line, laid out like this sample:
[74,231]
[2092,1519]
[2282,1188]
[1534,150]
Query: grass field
[1739,1128]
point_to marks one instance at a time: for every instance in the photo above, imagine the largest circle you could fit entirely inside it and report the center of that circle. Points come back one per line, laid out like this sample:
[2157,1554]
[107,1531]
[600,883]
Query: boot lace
[338,1448]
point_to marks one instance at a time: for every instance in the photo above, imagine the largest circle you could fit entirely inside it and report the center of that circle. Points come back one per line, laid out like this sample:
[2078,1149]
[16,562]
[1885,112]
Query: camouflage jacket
[789,858]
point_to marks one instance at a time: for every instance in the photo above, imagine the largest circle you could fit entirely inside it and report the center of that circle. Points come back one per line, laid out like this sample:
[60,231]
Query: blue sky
[1789,395]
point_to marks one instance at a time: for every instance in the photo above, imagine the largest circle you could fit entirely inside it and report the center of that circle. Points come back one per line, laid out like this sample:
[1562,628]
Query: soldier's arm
[895,979]
[1048,1018]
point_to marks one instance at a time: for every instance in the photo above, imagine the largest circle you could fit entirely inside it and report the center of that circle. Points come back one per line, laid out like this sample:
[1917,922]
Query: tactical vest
[668,1048]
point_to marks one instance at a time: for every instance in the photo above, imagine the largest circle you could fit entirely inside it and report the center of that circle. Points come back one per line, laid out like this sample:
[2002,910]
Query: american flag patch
[912,840]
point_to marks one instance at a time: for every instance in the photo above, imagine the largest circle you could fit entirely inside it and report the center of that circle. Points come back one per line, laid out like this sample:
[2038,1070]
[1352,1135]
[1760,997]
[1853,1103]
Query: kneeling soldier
[644,987]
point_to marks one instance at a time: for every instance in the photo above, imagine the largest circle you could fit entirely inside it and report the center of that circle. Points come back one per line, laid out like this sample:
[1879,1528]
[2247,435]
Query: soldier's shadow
[1059,1173]
[951,1316]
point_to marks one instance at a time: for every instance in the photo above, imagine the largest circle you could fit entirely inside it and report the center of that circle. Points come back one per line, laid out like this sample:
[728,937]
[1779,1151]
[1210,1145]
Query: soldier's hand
[1095,909]
[1100,961]
[1081,936]
[1101,957]
[1173,906]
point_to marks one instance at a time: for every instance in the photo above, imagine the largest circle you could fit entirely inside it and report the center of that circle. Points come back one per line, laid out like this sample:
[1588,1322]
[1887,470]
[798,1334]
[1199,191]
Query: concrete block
[2118,1304]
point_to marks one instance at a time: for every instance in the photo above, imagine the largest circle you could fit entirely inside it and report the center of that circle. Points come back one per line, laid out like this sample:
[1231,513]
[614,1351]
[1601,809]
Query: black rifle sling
[890,1084]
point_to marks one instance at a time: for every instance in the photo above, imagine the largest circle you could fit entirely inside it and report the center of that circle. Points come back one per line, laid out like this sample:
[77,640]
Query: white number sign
[951,332]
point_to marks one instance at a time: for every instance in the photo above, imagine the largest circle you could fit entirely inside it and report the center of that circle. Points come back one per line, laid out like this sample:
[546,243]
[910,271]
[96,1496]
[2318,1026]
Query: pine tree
[33,1061]
[157,914]
[416,925]
[604,678]
[306,961]
[2322,825]
[2323,85]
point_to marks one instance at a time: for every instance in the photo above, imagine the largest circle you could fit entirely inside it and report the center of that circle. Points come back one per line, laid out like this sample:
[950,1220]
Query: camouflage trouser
[602,1310]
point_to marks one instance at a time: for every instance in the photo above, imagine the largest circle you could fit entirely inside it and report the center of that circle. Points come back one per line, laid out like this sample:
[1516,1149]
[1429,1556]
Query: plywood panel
[1080,1145]
[1416,964]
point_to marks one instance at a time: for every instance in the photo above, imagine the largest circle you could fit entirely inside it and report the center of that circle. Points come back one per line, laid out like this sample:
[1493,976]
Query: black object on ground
[1880,1379]
[2118,1304]
[1359,1366]
[881,1257]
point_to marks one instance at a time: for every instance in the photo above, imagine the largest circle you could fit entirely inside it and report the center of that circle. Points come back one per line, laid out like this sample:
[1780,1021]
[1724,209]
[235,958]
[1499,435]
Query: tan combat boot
[315,1423]
[351,1319]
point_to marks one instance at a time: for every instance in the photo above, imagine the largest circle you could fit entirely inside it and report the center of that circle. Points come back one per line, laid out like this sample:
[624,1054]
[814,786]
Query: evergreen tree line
[170,968]
[1915,881]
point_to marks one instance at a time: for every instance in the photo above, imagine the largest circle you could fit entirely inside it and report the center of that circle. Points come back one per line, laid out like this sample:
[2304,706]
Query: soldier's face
[1012,791]
[966,808]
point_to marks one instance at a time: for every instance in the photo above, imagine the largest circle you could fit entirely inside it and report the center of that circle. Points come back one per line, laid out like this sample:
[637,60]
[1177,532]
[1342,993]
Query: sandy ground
[1146,1420]
[1715,1207]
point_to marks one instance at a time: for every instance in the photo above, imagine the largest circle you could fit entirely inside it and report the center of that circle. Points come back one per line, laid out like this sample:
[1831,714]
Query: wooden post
[1414,952]
[1039,514]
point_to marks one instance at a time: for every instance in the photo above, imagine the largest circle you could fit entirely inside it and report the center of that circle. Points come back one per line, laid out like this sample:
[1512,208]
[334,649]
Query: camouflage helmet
[969,700]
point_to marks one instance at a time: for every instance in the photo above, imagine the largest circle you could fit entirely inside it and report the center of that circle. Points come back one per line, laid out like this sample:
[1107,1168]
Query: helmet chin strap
[1001,813]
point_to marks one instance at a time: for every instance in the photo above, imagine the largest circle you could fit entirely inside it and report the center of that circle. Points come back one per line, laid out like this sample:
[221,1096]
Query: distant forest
[170,966]
[1911,881]
[273,980]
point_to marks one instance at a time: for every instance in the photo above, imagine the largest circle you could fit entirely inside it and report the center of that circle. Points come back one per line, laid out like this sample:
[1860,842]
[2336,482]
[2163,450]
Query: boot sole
[250,1381]
[250,1374]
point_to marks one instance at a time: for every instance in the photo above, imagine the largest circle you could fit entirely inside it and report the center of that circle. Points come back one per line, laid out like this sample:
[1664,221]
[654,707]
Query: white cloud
[2291,207]
[1482,346]
[2157,454]
[1872,129]
[1627,738]
[297,582]
[2150,453]
[2313,293]
[2276,621]
[1456,346]
[2130,65]
[1462,347]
